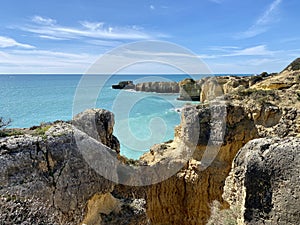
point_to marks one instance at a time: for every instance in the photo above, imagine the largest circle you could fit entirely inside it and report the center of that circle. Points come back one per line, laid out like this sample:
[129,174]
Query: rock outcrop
[158,87]
[189,90]
[289,77]
[185,197]
[98,124]
[124,85]
[264,182]
[50,169]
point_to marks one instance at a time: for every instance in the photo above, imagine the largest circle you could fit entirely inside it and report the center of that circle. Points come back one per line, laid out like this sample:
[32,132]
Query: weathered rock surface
[185,197]
[189,90]
[52,170]
[51,178]
[158,87]
[264,182]
[98,124]
[289,77]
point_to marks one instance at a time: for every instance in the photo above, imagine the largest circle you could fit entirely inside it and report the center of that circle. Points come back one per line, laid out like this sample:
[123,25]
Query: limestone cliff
[158,87]
[185,197]
[263,185]
[50,170]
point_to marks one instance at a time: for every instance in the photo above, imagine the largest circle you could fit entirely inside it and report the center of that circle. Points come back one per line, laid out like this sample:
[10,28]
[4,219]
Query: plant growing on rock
[4,124]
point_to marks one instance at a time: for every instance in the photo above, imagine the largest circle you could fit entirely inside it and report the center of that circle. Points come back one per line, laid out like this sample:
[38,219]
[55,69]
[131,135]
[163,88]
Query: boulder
[264,182]
[51,171]
[98,124]
[189,90]
[124,85]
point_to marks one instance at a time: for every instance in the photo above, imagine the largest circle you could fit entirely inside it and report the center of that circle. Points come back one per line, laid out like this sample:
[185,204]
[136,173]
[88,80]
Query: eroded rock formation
[185,197]
[158,87]
[189,90]
[51,170]
[263,184]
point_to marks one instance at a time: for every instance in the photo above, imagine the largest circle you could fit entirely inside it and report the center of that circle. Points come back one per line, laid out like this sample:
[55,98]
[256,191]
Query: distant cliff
[158,87]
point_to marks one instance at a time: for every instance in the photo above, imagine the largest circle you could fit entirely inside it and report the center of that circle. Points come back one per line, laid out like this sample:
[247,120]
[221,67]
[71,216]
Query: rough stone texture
[101,204]
[189,90]
[210,89]
[284,80]
[51,169]
[99,124]
[26,211]
[50,172]
[158,87]
[264,182]
[185,197]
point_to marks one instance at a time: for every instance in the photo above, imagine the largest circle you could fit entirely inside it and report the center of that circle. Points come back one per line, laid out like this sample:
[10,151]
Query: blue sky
[231,36]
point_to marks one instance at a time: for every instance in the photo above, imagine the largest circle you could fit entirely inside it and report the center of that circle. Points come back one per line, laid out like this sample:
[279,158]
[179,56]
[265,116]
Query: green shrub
[3,125]
[41,131]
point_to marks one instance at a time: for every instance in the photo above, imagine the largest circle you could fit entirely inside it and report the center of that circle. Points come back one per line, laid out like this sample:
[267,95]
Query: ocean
[142,119]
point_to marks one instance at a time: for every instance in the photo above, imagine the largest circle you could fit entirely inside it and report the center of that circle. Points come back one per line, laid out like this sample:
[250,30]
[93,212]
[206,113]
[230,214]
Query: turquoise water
[142,119]
[31,99]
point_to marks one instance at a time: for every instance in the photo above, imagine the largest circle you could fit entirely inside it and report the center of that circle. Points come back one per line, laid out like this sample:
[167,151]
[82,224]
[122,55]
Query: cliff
[185,197]
[47,174]
[158,87]
[234,160]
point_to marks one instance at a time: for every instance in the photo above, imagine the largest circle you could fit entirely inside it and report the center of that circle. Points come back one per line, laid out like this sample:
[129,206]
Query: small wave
[129,90]
[178,110]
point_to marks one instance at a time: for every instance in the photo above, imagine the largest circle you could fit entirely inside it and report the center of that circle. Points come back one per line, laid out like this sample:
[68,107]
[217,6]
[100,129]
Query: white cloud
[152,7]
[43,20]
[48,29]
[252,51]
[51,37]
[104,43]
[232,51]
[92,25]
[6,42]
[41,61]
[262,23]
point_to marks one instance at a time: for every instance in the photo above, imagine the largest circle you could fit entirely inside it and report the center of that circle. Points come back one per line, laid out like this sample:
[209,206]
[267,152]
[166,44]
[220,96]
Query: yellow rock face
[100,203]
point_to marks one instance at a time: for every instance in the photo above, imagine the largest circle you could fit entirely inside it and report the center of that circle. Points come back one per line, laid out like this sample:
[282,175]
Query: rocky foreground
[238,153]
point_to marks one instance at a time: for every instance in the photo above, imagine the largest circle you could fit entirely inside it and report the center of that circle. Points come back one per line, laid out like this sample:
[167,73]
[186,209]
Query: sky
[230,36]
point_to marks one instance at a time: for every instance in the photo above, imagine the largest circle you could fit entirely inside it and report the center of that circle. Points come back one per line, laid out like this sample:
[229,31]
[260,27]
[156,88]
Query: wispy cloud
[152,7]
[50,29]
[260,50]
[92,25]
[263,22]
[233,51]
[52,38]
[43,20]
[6,42]
[44,61]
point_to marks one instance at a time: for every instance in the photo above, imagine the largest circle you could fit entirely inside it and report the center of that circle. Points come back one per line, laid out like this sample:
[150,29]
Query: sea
[141,119]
